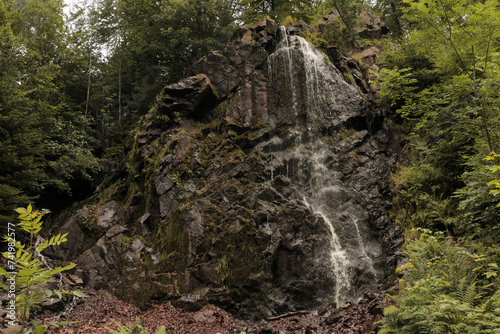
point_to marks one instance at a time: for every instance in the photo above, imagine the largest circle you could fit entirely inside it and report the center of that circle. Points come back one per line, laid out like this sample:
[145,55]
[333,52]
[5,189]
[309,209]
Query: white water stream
[306,84]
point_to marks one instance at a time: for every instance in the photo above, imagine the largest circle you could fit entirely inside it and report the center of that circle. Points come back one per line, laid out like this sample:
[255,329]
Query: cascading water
[305,83]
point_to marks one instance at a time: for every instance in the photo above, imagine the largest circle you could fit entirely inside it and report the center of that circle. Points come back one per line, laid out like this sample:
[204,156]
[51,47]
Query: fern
[466,291]
[442,286]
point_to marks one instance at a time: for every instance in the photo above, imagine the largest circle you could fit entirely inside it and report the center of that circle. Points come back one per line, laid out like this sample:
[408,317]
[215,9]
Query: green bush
[446,288]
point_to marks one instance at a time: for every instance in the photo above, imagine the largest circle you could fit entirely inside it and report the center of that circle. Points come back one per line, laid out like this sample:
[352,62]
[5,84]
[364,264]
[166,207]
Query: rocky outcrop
[374,28]
[209,207]
[190,98]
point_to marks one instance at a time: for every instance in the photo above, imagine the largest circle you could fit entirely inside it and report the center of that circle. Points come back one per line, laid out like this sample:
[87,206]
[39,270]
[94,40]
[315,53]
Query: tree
[391,12]
[254,10]
[443,84]
[44,144]
[153,43]
[461,36]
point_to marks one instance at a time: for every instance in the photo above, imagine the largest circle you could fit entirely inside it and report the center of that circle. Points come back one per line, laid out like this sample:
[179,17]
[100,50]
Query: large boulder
[190,98]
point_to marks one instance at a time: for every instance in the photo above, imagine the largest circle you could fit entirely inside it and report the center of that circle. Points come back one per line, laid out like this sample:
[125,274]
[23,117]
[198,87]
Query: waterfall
[306,85]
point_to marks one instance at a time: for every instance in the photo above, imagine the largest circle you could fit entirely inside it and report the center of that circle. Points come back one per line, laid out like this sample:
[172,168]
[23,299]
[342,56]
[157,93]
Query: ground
[99,310]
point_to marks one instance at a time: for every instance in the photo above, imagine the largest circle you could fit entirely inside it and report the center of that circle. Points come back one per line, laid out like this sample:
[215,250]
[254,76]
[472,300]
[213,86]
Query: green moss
[349,78]
[172,242]
[346,133]
[89,223]
[222,268]
[315,38]
[237,253]
[219,112]
[288,21]
[215,90]
[126,243]
[354,154]
[327,140]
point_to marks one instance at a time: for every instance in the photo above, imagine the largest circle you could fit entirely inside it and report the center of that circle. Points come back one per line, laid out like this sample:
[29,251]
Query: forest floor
[99,310]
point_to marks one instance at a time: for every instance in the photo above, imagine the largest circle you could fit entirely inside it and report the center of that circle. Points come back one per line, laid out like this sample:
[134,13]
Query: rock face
[263,192]
[190,98]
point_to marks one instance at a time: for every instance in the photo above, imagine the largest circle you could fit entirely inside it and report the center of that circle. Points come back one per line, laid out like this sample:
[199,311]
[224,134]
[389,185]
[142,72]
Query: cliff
[258,184]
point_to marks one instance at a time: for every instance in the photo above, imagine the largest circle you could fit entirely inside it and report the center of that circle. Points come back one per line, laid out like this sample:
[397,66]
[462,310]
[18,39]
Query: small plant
[222,268]
[25,286]
[135,328]
[176,177]
[161,119]
[126,243]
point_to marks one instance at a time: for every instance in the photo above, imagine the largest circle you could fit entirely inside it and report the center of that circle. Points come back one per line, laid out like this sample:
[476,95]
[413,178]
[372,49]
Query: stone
[76,279]
[164,184]
[167,204]
[12,329]
[115,230]
[190,98]
[105,214]
[82,234]
[374,28]
[53,304]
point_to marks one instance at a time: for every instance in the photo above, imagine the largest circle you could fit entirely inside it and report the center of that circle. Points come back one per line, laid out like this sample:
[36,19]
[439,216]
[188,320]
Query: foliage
[446,288]
[478,201]
[391,12]
[45,147]
[348,12]
[495,169]
[420,199]
[135,328]
[31,275]
[279,10]
[151,44]
[441,82]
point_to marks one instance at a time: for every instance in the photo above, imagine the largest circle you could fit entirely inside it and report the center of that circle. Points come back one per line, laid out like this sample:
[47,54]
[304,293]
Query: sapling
[26,274]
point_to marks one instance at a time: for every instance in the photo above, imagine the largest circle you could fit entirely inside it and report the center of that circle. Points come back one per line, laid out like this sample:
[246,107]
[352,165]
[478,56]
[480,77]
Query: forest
[74,84]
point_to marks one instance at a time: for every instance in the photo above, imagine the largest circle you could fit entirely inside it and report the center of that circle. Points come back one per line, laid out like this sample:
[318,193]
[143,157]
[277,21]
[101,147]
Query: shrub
[25,286]
[446,288]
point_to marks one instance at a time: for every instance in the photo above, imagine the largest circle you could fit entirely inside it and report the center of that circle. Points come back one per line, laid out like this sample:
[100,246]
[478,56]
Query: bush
[446,288]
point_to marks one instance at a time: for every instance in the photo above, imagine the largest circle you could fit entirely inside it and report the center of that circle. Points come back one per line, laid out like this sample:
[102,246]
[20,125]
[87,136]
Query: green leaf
[78,293]
[493,182]
[68,267]
[40,329]
[489,274]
